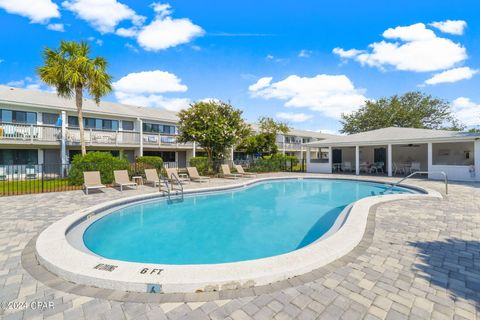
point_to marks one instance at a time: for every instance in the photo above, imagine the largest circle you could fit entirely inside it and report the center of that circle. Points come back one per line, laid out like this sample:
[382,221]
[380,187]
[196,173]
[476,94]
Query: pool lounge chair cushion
[194,176]
[92,180]
[227,174]
[151,176]
[122,179]
[240,170]
[176,178]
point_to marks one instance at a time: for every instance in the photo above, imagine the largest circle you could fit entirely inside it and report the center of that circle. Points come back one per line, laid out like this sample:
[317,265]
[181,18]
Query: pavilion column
[330,160]
[430,158]
[357,160]
[63,145]
[389,160]
[194,151]
[140,124]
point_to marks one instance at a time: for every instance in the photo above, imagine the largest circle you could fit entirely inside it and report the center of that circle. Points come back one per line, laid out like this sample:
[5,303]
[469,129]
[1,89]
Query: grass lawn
[34,186]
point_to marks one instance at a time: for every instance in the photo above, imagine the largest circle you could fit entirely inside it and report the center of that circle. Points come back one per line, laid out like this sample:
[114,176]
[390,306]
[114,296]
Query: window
[94,123]
[153,127]
[50,118]
[18,116]
[22,156]
[127,125]
[72,121]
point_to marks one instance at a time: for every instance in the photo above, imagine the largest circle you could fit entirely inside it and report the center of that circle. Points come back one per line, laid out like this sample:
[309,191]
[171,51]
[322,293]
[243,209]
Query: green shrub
[96,161]
[277,162]
[202,164]
[148,162]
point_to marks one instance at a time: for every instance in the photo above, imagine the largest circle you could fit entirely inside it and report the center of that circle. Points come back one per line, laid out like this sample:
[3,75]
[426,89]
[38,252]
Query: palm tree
[71,71]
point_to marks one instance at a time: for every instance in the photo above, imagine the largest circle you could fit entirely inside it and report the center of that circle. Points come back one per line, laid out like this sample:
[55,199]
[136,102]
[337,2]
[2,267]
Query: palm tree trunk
[78,102]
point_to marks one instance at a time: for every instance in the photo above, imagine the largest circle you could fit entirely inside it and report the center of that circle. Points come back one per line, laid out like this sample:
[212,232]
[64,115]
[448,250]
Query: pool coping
[56,254]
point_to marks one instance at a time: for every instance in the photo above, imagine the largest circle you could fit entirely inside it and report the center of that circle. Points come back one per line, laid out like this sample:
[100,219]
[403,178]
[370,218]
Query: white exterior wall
[456,172]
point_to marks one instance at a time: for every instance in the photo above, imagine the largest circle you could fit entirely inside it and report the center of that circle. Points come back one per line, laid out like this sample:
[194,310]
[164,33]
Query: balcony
[28,133]
[289,146]
[163,140]
[104,137]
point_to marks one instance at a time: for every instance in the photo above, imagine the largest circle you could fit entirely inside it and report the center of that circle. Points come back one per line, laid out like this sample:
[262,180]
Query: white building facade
[40,128]
[399,151]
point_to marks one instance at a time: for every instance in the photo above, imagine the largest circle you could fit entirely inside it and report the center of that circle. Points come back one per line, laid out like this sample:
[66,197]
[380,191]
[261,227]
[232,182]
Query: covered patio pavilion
[399,151]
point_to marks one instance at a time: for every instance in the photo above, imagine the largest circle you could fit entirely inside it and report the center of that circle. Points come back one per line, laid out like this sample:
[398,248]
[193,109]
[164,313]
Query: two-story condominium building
[41,128]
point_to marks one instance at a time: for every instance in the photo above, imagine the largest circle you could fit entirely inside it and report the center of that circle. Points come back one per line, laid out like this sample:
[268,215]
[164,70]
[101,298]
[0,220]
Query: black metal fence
[41,178]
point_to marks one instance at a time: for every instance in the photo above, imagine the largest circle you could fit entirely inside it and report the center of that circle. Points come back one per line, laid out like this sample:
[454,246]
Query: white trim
[56,254]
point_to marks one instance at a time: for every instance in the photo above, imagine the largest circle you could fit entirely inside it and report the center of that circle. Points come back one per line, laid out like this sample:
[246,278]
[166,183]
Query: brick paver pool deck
[419,259]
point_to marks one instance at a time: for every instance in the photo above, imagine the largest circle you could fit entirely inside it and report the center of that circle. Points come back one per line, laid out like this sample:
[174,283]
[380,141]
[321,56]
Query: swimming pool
[262,220]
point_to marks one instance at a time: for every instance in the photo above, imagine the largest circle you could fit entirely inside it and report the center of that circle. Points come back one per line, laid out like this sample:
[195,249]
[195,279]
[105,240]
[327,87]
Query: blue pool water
[262,220]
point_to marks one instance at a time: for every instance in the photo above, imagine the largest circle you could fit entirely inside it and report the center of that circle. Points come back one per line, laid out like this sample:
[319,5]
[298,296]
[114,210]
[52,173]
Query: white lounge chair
[122,180]
[240,170]
[91,180]
[194,176]
[151,176]
[227,174]
[30,172]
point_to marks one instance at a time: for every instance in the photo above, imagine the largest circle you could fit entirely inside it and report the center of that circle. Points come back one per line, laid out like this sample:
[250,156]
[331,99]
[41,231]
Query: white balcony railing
[289,146]
[156,139]
[103,137]
[28,132]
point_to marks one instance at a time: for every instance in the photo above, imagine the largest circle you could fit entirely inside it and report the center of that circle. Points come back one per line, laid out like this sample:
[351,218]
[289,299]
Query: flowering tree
[214,125]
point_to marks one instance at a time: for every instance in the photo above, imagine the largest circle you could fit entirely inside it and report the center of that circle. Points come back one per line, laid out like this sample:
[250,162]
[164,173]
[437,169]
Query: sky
[302,62]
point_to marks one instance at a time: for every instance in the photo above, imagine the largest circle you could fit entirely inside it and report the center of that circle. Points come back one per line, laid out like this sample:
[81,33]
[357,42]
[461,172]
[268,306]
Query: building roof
[10,95]
[394,135]
[302,133]
[50,100]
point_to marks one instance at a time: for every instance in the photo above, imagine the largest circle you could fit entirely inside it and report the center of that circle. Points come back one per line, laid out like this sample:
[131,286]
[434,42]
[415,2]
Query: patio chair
[240,170]
[377,167]
[121,179]
[151,176]
[398,169]
[91,180]
[194,176]
[415,166]
[30,172]
[347,166]
[173,177]
[227,174]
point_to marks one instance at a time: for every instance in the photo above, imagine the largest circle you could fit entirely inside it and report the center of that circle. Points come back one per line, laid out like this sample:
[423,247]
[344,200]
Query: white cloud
[56,27]
[31,84]
[127,32]
[452,75]
[269,57]
[131,47]
[38,11]
[145,89]
[164,31]
[155,81]
[455,27]
[328,94]
[260,84]
[294,117]
[467,111]
[103,15]
[304,53]
[347,53]
[167,32]
[153,101]
[419,49]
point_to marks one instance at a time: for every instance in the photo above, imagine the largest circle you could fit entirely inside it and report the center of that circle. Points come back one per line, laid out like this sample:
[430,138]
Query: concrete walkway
[421,260]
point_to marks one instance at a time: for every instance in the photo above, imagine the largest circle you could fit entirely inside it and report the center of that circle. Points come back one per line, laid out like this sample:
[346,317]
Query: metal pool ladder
[421,172]
[167,188]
